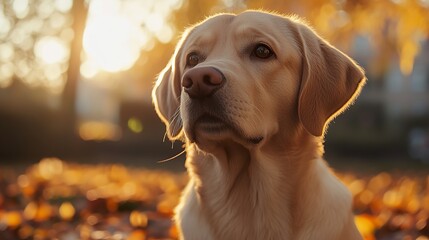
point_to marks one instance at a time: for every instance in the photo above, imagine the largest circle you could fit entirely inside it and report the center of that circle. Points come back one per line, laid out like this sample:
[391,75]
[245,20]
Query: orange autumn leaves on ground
[390,206]
[54,199]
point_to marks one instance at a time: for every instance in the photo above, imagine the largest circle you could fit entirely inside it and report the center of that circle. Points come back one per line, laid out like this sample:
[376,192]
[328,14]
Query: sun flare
[111,43]
[117,32]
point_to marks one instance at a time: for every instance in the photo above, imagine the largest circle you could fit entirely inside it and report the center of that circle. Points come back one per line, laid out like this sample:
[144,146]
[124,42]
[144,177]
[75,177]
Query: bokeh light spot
[99,131]
[5,26]
[6,52]
[63,5]
[138,219]
[67,211]
[135,125]
[51,50]
[13,219]
[165,34]
[45,9]
[88,69]
[21,8]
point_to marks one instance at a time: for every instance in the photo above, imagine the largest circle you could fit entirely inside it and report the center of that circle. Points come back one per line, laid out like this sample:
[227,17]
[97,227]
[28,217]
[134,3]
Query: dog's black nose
[202,82]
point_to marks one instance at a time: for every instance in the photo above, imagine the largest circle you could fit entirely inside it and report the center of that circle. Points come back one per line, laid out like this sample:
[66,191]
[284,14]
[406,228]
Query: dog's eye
[192,60]
[262,51]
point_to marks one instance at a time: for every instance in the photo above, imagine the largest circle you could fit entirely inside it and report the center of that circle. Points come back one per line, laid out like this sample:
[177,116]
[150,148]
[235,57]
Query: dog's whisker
[175,115]
[177,124]
[171,122]
[165,136]
[172,158]
[175,121]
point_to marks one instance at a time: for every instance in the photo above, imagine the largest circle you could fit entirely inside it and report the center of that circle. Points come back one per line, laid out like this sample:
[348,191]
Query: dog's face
[251,76]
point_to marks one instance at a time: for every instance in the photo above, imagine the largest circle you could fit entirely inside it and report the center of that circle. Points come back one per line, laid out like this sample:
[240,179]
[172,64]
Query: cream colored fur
[262,177]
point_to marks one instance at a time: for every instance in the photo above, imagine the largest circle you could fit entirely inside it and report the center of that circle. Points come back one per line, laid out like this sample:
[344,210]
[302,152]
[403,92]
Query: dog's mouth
[216,127]
[211,124]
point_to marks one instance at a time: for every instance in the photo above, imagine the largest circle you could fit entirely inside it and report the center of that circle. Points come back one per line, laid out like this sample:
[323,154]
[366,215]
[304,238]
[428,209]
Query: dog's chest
[233,214]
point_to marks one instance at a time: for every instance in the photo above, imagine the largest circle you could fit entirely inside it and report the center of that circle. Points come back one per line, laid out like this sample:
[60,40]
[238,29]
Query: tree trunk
[79,13]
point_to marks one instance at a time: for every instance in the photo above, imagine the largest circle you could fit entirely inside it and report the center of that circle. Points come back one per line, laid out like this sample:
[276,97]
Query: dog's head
[250,76]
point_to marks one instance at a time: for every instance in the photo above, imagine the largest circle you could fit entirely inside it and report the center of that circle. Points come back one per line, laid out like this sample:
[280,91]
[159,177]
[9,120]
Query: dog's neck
[259,180]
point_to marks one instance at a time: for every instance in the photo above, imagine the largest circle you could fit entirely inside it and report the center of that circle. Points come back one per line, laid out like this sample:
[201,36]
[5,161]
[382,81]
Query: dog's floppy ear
[330,81]
[166,95]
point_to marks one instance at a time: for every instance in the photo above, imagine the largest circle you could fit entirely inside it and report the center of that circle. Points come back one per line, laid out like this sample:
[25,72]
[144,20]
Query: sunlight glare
[154,22]
[51,50]
[109,41]
[117,32]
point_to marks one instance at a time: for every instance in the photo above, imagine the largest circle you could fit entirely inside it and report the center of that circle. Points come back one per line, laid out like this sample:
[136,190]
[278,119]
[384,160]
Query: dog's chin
[212,129]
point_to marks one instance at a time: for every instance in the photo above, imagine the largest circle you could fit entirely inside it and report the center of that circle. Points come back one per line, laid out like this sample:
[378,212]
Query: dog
[251,95]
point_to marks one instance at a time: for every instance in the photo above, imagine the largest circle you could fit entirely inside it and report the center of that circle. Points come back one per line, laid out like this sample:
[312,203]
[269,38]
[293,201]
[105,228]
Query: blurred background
[76,77]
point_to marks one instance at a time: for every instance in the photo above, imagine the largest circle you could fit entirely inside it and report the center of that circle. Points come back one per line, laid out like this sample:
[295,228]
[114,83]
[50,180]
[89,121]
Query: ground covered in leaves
[58,200]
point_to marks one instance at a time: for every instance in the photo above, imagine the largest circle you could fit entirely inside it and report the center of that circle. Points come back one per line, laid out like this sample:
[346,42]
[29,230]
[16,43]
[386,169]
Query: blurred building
[391,116]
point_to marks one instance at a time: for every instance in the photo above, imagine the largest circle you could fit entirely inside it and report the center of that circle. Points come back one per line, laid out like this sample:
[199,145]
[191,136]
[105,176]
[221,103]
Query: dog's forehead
[256,18]
[222,22]
[242,25]
[208,30]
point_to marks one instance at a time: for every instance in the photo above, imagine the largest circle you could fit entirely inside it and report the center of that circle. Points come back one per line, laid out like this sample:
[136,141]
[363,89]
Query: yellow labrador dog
[251,95]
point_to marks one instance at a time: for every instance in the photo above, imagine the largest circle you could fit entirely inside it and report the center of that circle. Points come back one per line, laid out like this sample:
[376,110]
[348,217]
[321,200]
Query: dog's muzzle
[207,111]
